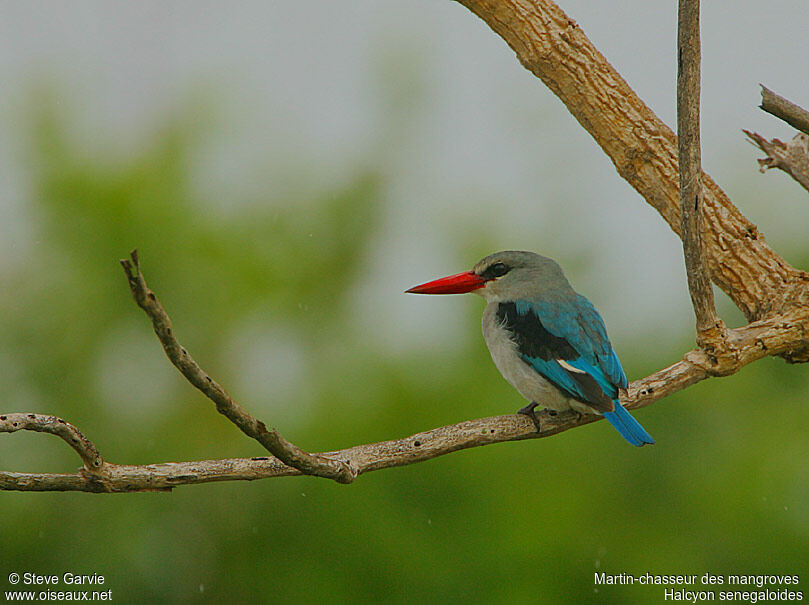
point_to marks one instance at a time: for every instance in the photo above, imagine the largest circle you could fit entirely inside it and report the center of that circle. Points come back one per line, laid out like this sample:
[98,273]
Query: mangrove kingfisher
[547,341]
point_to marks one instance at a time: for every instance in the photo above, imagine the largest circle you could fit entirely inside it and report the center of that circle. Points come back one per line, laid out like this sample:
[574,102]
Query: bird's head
[501,276]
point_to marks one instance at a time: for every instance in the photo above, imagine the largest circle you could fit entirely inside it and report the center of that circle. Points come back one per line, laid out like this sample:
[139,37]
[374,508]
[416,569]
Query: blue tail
[630,429]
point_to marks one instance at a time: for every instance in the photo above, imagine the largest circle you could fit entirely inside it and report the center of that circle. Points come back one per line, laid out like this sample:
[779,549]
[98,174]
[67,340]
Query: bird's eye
[498,270]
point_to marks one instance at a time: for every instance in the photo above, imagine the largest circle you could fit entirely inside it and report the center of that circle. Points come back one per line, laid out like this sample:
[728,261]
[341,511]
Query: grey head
[517,275]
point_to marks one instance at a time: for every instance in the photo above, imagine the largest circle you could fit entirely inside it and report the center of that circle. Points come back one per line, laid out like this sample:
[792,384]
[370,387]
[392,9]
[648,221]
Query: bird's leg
[530,411]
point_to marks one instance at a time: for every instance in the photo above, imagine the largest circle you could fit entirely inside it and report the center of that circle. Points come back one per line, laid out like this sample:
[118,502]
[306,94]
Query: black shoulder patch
[532,339]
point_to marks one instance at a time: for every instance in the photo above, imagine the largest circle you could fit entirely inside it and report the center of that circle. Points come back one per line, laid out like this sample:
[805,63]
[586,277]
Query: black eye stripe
[496,270]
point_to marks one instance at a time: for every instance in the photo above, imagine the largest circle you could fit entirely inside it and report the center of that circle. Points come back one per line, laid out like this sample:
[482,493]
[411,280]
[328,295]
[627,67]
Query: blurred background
[286,170]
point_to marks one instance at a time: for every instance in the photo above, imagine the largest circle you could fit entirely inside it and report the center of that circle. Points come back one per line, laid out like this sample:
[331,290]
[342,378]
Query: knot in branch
[347,473]
[797,356]
[715,356]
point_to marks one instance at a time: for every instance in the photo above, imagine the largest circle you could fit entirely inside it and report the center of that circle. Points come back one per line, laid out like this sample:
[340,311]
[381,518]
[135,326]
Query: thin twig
[710,329]
[279,447]
[643,149]
[794,115]
[792,157]
[775,336]
[10,423]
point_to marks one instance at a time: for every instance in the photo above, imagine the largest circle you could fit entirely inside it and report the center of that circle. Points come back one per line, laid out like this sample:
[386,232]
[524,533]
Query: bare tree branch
[773,295]
[644,150]
[279,447]
[10,423]
[792,157]
[710,329]
[782,108]
[775,336]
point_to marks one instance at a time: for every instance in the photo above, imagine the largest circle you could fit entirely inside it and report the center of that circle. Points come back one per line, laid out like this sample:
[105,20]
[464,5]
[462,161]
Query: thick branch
[710,329]
[279,447]
[776,336]
[782,108]
[644,150]
[792,157]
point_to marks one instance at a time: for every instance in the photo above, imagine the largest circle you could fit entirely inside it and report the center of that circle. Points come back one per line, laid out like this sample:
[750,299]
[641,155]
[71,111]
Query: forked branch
[279,447]
[11,423]
[791,157]
[767,337]
[710,329]
[773,295]
[644,149]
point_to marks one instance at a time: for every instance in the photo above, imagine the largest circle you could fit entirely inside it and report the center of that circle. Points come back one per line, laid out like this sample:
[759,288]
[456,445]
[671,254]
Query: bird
[547,341]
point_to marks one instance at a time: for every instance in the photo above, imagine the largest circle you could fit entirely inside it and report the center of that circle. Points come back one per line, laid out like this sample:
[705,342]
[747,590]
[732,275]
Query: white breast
[519,374]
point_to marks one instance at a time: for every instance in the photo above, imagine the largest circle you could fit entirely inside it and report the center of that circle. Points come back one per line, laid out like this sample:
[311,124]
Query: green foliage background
[726,490]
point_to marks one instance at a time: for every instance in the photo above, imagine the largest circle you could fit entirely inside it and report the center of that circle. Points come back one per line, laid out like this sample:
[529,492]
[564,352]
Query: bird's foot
[530,411]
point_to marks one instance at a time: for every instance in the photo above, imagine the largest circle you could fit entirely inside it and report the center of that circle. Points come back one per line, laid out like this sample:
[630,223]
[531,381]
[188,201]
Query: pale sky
[427,93]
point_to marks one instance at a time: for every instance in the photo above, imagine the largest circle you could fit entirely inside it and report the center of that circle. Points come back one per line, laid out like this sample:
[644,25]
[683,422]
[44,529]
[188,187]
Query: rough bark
[792,157]
[771,293]
[710,329]
[752,342]
[279,447]
[644,150]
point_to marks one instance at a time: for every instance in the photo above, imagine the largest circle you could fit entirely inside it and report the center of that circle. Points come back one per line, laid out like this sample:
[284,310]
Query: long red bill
[459,283]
